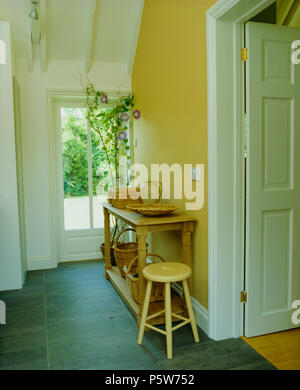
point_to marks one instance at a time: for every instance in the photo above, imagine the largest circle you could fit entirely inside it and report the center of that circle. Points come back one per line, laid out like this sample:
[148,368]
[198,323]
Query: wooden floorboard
[282,349]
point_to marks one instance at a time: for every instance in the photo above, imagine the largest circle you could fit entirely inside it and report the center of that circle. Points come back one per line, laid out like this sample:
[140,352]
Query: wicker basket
[131,272]
[124,252]
[121,197]
[152,210]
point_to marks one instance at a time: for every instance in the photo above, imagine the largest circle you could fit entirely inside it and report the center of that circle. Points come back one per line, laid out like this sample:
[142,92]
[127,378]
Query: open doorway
[272,196]
[81,185]
[271,272]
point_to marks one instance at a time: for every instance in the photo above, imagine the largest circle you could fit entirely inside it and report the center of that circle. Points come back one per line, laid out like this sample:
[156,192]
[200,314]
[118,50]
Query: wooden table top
[141,220]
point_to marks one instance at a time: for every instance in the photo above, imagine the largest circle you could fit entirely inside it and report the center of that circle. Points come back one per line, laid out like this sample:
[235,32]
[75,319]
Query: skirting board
[88,257]
[201,314]
[39,263]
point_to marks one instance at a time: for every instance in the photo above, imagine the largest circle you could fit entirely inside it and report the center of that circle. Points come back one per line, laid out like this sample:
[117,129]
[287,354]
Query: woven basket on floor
[132,278]
[121,197]
[124,252]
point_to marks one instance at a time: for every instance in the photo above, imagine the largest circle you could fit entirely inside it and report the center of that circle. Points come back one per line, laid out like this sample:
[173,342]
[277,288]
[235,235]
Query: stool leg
[168,319]
[190,310]
[145,312]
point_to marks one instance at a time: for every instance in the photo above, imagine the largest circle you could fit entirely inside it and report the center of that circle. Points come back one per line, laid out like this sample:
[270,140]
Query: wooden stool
[167,273]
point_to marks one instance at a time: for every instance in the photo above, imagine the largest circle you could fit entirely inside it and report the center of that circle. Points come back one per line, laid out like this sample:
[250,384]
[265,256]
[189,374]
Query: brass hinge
[243,297]
[244,54]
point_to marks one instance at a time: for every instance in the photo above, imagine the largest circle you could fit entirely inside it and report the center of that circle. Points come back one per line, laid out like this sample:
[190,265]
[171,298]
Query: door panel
[273,180]
[277,139]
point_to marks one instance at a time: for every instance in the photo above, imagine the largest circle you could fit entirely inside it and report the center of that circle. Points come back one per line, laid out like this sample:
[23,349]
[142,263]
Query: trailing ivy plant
[111,123]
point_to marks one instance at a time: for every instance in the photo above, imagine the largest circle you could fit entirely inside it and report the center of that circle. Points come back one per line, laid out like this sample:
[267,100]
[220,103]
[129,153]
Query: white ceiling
[67,23]
[90,30]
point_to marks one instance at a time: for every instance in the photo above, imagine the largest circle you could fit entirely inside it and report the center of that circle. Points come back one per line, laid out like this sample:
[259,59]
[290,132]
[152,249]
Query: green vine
[109,118]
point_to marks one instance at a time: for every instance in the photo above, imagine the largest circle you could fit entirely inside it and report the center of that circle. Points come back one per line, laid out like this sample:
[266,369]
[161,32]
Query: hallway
[72,318]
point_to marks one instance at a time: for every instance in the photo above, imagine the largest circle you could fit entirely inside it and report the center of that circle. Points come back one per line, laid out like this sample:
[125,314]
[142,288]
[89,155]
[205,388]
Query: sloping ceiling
[83,30]
[288,12]
[90,30]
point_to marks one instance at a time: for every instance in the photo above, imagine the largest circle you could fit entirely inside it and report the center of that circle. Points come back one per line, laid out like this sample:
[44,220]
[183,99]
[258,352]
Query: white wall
[10,256]
[34,86]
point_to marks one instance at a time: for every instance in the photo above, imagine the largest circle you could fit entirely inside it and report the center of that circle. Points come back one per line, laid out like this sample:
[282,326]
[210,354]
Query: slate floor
[71,318]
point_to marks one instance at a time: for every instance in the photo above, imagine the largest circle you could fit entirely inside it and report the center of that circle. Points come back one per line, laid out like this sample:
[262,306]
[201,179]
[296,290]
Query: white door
[273,179]
[79,189]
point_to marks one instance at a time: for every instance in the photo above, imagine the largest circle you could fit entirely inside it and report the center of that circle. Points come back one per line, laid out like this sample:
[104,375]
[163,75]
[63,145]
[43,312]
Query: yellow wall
[169,83]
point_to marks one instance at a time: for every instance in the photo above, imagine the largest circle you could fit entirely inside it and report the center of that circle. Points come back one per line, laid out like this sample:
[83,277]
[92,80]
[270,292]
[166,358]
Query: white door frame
[225,37]
[54,96]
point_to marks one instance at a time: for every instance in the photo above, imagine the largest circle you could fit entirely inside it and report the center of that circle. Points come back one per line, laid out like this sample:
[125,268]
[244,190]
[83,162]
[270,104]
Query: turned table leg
[142,256]
[107,241]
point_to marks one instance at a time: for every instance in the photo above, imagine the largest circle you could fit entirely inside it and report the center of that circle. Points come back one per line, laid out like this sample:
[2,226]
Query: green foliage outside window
[75,155]
[109,123]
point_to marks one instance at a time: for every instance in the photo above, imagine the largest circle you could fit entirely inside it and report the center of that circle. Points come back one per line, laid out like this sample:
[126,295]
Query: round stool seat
[167,272]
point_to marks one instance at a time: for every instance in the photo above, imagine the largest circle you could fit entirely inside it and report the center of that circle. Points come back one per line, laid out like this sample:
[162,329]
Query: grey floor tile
[218,355]
[23,322]
[89,295]
[136,362]
[261,365]
[23,340]
[28,359]
[104,352]
[75,269]
[76,286]
[34,278]
[93,325]
[71,317]
[29,298]
[74,309]
[75,276]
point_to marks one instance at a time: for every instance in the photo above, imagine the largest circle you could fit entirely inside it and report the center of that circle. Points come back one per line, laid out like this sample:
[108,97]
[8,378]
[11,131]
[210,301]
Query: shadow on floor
[71,318]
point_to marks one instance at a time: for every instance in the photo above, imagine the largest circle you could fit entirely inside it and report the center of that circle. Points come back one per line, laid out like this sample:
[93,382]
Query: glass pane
[98,210]
[75,168]
[101,179]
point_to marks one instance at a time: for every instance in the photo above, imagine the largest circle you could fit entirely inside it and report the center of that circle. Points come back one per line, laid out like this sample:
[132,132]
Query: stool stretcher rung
[155,315]
[156,329]
[181,324]
[179,317]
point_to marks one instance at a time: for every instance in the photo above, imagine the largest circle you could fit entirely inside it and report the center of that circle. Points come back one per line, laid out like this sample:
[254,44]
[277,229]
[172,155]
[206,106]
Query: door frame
[225,86]
[54,97]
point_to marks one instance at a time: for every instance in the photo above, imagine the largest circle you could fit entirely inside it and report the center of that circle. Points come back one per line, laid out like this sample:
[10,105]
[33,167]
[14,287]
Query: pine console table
[144,225]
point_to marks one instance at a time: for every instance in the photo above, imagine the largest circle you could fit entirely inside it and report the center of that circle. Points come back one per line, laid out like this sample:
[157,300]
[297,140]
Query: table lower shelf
[178,304]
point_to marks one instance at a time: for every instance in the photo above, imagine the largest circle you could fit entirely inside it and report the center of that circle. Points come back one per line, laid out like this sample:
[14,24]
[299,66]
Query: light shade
[33,14]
